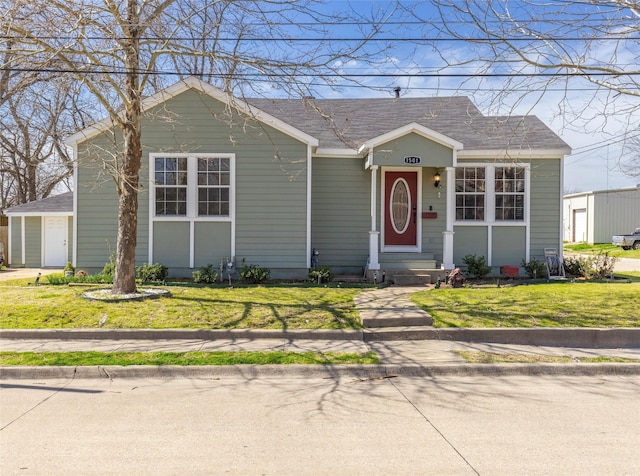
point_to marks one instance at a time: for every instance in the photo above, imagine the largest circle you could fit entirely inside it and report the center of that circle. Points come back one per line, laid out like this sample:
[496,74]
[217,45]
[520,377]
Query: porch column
[447,242]
[374,234]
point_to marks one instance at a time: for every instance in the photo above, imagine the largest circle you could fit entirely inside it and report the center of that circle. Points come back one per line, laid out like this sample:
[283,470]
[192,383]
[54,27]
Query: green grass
[512,358]
[562,304]
[193,307]
[183,358]
[614,251]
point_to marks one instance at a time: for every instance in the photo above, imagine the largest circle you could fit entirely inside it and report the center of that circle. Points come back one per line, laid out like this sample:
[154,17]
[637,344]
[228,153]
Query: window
[510,189]
[491,193]
[171,185]
[470,193]
[192,186]
[213,186]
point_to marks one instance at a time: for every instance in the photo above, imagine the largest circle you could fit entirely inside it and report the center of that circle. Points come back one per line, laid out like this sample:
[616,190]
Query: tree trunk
[124,281]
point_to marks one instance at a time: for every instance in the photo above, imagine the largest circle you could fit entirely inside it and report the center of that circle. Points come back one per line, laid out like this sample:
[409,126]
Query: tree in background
[583,54]
[121,51]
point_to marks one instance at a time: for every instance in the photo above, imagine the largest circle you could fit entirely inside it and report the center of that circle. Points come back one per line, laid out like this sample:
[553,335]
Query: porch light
[436,179]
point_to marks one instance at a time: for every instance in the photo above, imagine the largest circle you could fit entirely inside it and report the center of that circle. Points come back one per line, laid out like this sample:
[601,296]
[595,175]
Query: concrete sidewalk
[422,352]
[425,358]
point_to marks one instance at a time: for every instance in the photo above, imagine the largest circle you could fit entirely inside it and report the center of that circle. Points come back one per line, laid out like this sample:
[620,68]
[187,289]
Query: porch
[407,269]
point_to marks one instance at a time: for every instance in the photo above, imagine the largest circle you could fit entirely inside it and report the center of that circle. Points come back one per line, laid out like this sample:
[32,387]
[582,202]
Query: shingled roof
[340,123]
[62,203]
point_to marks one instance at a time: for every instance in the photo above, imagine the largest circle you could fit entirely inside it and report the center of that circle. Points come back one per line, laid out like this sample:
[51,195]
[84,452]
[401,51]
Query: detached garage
[594,217]
[41,232]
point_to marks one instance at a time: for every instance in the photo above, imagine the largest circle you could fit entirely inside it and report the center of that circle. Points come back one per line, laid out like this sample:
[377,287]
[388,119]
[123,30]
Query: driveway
[19,273]
[627,264]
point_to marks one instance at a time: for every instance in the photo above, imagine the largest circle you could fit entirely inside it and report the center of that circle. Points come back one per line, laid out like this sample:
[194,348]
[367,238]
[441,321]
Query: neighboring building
[386,184]
[40,232]
[594,217]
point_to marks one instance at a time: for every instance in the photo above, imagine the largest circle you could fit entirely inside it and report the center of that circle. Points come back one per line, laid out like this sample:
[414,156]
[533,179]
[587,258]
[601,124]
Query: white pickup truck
[628,241]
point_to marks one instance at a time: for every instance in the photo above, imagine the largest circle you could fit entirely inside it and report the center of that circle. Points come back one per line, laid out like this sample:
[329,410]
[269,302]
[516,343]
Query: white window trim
[490,221]
[490,196]
[192,205]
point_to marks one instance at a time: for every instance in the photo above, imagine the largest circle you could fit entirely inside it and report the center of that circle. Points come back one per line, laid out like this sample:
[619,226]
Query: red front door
[401,208]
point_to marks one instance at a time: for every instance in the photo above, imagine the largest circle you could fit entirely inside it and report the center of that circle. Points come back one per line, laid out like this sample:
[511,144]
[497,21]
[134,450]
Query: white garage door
[580,226]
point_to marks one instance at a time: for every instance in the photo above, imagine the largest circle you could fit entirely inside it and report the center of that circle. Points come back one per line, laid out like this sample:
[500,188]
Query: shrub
[152,272]
[59,279]
[602,265]
[110,266]
[476,266]
[534,268]
[205,275]
[322,274]
[599,266]
[577,266]
[254,274]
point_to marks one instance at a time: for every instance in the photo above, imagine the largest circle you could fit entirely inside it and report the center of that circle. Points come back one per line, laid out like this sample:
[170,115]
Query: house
[387,185]
[594,217]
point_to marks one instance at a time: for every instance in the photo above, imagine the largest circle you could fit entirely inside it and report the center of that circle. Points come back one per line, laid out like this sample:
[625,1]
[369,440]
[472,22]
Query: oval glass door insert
[400,206]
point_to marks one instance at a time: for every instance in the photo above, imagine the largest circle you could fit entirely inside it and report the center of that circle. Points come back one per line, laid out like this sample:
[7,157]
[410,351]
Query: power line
[325,39]
[328,74]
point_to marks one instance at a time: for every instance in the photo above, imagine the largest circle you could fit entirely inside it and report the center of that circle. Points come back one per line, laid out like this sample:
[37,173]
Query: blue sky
[592,120]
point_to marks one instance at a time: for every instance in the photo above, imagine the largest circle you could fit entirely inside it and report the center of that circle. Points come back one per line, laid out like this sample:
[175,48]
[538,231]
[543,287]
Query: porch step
[407,261]
[413,279]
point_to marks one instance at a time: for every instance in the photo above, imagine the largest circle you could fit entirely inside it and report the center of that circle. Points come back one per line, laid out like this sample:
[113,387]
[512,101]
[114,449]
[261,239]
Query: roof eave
[206,88]
[513,153]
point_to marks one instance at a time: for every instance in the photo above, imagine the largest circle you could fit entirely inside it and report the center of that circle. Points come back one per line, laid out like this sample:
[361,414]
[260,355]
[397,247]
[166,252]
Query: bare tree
[33,158]
[631,163]
[119,51]
[583,54]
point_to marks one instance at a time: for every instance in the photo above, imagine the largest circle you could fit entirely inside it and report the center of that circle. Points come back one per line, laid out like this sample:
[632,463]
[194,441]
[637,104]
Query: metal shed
[593,217]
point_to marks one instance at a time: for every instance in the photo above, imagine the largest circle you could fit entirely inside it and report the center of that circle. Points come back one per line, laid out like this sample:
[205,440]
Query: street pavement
[322,426]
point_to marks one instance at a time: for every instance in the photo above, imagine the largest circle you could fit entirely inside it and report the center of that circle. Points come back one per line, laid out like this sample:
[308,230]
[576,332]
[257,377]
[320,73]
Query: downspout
[309,177]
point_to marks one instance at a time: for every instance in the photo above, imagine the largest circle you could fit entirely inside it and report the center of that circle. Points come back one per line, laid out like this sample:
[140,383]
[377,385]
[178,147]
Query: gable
[416,149]
[231,103]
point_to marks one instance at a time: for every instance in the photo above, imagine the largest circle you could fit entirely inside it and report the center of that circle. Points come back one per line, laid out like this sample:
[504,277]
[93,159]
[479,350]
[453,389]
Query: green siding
[341,212]
[97,207]
[171,244]
[546,206]
[15,259]
[469,240]
[432,228]
[212,242]
[270,182]
[508,245]
[545,226]
[392,153]
[33,242]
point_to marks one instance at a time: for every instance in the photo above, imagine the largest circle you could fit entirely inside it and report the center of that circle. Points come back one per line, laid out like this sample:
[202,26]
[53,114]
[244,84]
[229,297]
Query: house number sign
[412,160]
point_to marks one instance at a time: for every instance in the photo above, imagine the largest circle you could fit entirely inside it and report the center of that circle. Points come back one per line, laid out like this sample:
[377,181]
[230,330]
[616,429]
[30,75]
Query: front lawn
[612,250]
[31,307]
[184,358]
[555,304]
[561,304]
